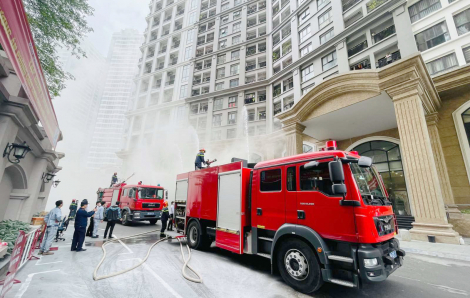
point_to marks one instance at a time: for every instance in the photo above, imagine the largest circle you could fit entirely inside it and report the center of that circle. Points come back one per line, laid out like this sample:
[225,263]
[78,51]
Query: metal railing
[357,48]
[384,61]
[384,33]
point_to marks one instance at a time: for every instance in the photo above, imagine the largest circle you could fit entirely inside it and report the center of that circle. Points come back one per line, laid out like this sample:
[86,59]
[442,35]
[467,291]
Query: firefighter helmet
[202,150]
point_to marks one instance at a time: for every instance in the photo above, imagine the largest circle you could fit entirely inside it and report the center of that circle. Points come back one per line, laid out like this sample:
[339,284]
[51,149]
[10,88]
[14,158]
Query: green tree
[54,24]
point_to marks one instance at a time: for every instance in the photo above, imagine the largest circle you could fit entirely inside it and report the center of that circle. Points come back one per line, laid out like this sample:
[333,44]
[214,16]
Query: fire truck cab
[319,217]
[137,202]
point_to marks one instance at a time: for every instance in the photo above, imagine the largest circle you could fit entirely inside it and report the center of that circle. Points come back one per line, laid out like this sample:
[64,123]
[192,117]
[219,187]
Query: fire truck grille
[150,205]
[385,224]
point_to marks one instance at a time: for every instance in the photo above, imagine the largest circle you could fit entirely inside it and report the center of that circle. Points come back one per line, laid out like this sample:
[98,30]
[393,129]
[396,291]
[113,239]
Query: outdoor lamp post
[47,177]
[19,151]
[56,183]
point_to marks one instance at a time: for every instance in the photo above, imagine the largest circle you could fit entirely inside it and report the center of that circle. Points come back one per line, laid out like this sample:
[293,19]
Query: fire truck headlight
[370,262]
[137,214]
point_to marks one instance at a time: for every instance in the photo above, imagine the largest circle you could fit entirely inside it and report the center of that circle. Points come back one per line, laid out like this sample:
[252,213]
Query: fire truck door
[270,206]
[291,194]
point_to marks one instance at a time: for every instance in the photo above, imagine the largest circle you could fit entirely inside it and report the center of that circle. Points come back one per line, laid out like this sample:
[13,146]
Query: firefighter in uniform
[164,219]
[200,159]
[114,179]
[73,209]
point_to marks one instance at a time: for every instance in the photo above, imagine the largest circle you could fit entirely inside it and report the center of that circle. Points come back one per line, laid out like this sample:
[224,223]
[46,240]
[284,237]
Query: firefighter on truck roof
[200,159]
[114,179]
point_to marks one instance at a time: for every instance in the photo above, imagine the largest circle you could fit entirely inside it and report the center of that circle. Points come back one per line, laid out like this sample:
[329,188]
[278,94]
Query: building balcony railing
[162,50]
[153,37]
[250,80]
[361,65]
[250,67]
[249,100]
[261,98]
[161,66]
[251,10]
[373,4]
[251,51]
[347,4]
[166,32]
[206,79]
[170,82]
[251,35]
[195,92]
[174,61]
[388,59]
[197,81]
[357,48]
[383,34]
[180,12]
[251,23]
[175,45]
[211,13]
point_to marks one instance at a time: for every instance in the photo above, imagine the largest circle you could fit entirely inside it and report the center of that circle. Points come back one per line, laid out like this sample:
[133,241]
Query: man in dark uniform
[164,218]
[81,220]
[200,159]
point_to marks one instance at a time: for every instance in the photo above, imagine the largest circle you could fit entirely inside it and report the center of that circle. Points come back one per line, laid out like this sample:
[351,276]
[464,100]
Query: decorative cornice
[432,119]
[453,79]
[294,128]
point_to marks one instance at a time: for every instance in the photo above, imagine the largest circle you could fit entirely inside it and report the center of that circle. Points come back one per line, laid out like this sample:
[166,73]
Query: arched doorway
[14,178]
[386,157]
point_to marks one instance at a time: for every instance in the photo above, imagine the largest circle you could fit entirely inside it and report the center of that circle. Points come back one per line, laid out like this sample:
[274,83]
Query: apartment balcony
[249,100]
[199,53]
[347,4]
[250,67]
[158,7]
[165,33]
[261,98]
[200,42]
[383,34]
[161,66]
[178,27]
[162,50]
[262,116]
[262,5]
[207,65]
[357,48]
[167,19]
[251,23]
[153,37]
[388,59]
[251,51]
[211,13]
[365,64]
[175,45]
[205,90]
[204,6]
[180,12]
[206,79]
[373,4]
[174,61]
[289,105]
[149,55]
[197,81]
[157,84]
[170,83]
[195,92]
[251,35]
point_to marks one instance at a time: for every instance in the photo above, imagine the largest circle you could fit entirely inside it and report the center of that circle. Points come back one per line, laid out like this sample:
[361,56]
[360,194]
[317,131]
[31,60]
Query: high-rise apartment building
[78,105]
[110,125]
[271,78]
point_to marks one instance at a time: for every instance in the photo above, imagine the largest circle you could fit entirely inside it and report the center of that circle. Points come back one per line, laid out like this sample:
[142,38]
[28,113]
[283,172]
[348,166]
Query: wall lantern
[47,177]
[19,151]
[55,183]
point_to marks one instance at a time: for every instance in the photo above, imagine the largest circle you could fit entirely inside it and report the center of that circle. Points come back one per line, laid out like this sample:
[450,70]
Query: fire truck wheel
[125,218]
[298,266]
[153,221]
[196,239]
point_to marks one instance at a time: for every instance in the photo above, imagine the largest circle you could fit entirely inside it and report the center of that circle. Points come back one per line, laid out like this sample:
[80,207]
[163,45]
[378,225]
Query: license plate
[393,254]
[151,213]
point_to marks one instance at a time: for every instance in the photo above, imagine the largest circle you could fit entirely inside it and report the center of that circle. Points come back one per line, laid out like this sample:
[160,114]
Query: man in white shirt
[172,212]
[99,216]
[52,221]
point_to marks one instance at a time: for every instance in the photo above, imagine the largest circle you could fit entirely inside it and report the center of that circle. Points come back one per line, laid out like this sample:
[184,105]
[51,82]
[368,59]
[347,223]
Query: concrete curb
[445,255]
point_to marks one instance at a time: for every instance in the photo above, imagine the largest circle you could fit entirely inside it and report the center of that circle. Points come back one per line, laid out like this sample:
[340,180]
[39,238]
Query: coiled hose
[183,270]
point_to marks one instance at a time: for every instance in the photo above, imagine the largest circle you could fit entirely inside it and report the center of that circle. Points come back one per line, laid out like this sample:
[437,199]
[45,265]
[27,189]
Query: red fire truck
[319,217]
[137,202]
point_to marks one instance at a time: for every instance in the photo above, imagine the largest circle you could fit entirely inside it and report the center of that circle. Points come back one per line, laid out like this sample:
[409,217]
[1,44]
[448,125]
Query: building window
[235,55]
[231,133]
[237,15]
[423,8]
[388,162]
[218,104]
[329,61]
[190,37]
[432,37]
[442,64]
[307,73]
[193,4]
[216,135]
[192,18]
[304,34]
[462,22]
[327,36]
[277,107]
[219,86]
[303,16]
[270,180]
[217,120]
[321,3]
[324,19]
[223,20]
[221,59]
[236,27]
[184,91]
[223,32]
[236,40]
[185,73]
[234,69]
[305,50]
[220,73]
[232,102]
[466,53]
[225,7]
[187,53]
[233,83]
[222,44]
[232,118]
[288,102]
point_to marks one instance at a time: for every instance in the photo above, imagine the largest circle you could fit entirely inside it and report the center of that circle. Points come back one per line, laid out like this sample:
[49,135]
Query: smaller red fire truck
[319,217]
[137,202]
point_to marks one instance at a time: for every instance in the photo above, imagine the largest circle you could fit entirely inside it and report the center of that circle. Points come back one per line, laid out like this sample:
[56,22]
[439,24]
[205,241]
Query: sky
[114,15]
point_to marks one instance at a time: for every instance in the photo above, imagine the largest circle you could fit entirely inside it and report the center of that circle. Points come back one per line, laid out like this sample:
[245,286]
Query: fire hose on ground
[183,270]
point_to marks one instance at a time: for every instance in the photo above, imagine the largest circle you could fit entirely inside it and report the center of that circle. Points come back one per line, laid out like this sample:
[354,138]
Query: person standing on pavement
[164,219]
[52,221]
[113,215]
[172,212]
[80,226]
[73,209]
[91,226]
[98,218]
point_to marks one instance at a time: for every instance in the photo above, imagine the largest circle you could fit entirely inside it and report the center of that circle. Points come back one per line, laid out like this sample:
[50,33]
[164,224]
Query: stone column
[294,139]
[420,167]
[447,195]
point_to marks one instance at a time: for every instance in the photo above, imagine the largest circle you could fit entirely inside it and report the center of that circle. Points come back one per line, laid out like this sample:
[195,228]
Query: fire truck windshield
[369,185]
[151,193]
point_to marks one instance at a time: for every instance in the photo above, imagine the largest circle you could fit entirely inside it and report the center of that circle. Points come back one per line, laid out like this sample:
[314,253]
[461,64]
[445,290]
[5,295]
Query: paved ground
[69,274]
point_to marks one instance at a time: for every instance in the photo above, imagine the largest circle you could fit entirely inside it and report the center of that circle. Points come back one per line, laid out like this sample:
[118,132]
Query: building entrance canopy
[362,118]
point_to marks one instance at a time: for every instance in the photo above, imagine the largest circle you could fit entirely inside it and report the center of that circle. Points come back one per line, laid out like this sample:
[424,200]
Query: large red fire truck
[319,217]
[137,202]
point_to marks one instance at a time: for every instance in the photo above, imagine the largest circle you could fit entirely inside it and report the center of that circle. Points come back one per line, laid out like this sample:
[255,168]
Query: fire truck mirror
[365,162]
[336,171]
[311,164]
[339,189]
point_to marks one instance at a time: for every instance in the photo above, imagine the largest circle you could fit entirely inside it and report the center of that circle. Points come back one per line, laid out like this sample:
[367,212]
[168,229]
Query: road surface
[69,274]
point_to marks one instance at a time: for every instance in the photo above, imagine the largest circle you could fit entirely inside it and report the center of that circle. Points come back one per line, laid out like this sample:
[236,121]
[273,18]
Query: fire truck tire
[125,219]
[196,238]
[299,266]
[153,221]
